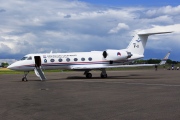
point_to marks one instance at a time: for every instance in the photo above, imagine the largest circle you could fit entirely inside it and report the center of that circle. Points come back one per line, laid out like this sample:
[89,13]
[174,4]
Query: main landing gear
[102,75]
[25,76]
[88,75]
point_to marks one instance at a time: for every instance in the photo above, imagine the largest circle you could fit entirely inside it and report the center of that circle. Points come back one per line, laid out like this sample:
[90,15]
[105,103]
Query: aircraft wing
[163,61]
[92,67]
[103,67]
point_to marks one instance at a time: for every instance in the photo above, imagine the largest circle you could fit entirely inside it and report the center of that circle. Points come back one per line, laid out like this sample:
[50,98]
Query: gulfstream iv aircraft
[84,61]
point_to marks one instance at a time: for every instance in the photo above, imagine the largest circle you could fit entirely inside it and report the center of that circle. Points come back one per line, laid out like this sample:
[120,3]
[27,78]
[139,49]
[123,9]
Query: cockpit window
[29,58]
[24,58]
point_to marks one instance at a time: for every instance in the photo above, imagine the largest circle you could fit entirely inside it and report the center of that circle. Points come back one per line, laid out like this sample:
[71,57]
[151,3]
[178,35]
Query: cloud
[68,26]
[175,28]
[2,10]
[4,48]
[67,16]
[164,11]
[120,26]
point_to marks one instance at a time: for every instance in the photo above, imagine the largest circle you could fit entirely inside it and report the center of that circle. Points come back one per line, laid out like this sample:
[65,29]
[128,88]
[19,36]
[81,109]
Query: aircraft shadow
[131,76]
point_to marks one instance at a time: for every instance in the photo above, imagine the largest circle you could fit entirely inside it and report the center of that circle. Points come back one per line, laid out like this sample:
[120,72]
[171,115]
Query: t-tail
[138,43]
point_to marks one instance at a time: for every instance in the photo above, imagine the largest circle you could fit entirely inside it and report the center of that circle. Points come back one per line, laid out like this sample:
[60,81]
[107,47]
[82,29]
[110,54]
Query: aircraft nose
[10,66]
[19,65]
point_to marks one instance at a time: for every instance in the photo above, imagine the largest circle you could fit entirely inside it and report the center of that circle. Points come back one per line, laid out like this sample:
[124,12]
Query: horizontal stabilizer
[153,33]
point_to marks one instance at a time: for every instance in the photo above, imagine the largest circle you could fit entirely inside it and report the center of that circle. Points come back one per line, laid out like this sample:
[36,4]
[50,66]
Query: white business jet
[84,61]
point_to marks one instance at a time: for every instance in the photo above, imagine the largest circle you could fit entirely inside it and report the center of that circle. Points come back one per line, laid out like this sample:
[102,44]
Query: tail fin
[163,61]
[138,43]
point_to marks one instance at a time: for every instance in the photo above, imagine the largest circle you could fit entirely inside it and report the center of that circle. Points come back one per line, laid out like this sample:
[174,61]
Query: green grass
[7,71]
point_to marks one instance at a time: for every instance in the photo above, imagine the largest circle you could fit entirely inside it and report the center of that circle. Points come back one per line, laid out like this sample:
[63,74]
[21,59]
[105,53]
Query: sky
[41,26]
[131,3]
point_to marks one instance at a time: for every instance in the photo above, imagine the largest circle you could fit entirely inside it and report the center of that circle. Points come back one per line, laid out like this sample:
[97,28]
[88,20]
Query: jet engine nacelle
[116,55]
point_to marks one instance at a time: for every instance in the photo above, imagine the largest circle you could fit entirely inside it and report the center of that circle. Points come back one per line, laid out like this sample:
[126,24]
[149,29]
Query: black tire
[103,75]
[88,75]
[24,79]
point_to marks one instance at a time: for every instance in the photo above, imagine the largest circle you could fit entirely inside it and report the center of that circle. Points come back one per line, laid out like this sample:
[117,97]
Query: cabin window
[75,59]
[67,59]
[45,60]
[52,60]
[60,60]
[83,59]
[29,58]
[90,59]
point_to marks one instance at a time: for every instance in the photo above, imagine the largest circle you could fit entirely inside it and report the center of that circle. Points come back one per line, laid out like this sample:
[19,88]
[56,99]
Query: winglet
[163,61]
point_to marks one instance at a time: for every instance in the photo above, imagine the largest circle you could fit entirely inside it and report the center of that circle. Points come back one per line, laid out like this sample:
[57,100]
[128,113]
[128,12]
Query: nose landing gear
[25,76]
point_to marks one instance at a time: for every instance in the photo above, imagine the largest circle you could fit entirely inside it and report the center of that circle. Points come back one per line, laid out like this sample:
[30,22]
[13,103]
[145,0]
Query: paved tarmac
[124,95]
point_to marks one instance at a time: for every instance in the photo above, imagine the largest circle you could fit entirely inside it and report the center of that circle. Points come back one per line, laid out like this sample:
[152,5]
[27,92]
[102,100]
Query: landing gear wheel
[24,79]
[25,76]
[88,75]
[103,75]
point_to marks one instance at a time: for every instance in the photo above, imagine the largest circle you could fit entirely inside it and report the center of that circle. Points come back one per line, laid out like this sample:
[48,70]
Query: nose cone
[12,67]
[9,67]
[15,66]
[21,66]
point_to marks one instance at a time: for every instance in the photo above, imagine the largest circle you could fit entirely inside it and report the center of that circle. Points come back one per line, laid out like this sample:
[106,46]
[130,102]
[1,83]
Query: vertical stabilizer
[138,43]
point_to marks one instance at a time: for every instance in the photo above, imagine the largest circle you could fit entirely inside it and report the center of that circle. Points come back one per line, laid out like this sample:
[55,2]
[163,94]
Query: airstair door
[38,71]
[37,60]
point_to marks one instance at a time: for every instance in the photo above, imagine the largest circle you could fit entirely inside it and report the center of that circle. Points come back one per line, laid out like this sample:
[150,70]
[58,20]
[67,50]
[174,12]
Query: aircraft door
[37,60]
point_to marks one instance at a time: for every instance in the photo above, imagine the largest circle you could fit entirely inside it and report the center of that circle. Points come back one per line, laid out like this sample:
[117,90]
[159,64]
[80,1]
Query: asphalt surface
[124,95]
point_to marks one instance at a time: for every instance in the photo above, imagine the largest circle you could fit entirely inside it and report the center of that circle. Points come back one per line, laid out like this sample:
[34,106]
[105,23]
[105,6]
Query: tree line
[4,64]
[155,61]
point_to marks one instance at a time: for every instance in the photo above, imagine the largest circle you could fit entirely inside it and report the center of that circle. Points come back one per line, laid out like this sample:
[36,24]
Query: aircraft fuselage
[74,60]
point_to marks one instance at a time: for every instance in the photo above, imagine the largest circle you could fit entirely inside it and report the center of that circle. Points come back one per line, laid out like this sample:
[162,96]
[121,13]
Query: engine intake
[116,55]
[129,54]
